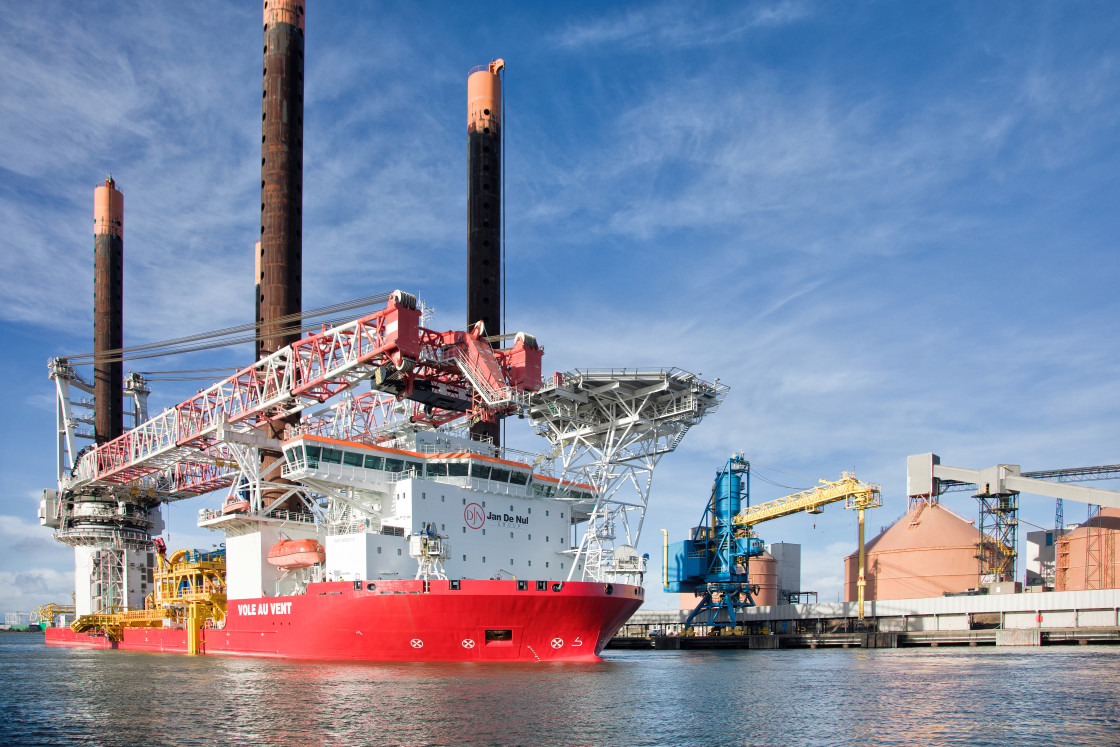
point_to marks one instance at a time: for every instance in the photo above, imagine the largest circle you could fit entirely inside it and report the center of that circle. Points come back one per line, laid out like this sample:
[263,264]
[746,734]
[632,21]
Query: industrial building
[934,577]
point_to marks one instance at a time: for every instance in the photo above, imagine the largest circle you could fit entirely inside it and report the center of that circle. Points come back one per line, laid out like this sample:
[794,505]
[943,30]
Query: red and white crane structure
[107,499]
[610,428]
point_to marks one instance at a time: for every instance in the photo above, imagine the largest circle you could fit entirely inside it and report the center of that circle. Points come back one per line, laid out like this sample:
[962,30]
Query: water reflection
[873,697]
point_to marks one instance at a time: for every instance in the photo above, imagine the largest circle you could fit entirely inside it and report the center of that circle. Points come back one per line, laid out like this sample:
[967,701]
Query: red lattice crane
[446,375]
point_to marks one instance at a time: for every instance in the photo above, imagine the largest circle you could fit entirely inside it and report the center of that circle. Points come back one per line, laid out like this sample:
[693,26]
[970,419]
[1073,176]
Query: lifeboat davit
[235,505]
[291,554]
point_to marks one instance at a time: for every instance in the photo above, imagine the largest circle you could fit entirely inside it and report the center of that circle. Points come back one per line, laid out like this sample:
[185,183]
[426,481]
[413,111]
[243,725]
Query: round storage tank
[763,571]
[1087,557]
[927,552]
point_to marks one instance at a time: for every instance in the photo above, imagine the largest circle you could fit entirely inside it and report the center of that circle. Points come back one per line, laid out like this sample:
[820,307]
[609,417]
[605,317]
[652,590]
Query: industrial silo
[1086,558]
[927,552]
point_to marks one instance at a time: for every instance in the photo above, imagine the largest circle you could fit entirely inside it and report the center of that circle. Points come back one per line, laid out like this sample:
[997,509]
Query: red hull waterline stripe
[504,620]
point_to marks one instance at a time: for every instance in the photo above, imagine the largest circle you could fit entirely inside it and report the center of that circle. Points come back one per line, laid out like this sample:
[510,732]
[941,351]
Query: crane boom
[855,494]
[388,344]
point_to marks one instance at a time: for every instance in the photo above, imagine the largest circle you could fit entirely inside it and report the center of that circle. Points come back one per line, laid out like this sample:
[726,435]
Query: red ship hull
[504,620]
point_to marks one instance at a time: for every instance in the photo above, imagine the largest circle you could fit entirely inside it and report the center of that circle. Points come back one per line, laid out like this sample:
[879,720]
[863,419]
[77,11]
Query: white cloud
[674,26]
[25,590]
[878,259]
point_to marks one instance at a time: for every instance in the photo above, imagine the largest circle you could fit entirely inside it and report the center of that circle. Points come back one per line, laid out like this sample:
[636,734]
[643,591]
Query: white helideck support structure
[611,427]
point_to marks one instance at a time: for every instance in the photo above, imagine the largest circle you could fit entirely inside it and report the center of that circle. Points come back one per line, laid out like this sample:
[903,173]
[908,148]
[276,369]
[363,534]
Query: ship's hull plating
[496,620]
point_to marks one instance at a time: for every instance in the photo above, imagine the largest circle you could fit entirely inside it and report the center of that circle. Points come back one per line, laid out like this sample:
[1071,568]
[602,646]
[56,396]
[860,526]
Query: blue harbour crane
[713,562]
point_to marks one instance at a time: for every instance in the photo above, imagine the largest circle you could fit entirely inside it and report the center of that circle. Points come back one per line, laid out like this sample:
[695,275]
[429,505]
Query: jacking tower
[110,528]
[484,210]
[108,312]
[279,253]
[279,257]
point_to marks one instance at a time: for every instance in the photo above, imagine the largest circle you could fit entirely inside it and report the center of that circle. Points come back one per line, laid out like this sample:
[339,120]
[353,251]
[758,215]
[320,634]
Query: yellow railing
[46,613]
[190,591]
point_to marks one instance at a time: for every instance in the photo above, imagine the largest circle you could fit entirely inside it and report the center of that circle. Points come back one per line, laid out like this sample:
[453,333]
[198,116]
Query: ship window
[546,538]
[546,512]
[530,538]
[511,535]
[493,636]
[511,562]
[374,462]
[481,471]
[437,470]
[398,551]
[511,508]
[312,456]
[414,468]
[484,531]
[351,459]
[483,558]
[394,465]
[332,456]
[443,527]
[379,551]
[443,499]
[457,469]
[519,478]
[497,474]
[530,563]
[464,530]
[546,564]
[464,557]
[561,514]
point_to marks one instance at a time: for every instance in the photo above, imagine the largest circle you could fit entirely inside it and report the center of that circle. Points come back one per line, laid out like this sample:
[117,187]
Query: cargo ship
[382,529]
[381,524]
[371,581]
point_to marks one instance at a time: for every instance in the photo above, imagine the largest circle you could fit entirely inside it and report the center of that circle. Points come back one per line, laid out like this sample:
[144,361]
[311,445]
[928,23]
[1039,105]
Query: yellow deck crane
[856,495]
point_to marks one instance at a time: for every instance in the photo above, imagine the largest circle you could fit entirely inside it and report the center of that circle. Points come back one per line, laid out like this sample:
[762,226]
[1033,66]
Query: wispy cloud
[883,249]
[673,25]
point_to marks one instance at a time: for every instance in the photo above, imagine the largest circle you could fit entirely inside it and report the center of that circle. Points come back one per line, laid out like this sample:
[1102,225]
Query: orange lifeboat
[235,505]
[291,554]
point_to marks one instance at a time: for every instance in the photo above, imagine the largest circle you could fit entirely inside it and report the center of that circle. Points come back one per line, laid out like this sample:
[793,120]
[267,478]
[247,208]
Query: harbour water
[966,696]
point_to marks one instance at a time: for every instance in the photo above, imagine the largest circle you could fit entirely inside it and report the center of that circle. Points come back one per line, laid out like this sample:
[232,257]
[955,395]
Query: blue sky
[890,227]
